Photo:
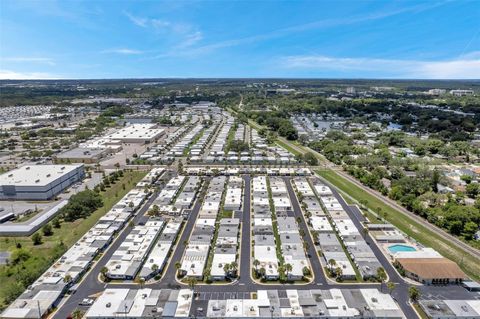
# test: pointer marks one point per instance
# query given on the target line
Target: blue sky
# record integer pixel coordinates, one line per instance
(312, 39)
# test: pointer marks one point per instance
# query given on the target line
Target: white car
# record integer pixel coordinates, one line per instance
(86, 302)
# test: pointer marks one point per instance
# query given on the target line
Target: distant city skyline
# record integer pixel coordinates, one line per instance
(214, 39)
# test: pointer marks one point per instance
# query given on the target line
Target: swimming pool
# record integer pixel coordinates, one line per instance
(400, 248)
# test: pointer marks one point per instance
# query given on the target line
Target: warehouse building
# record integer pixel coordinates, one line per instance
(137, 133)
(39, 182)
(82, 155)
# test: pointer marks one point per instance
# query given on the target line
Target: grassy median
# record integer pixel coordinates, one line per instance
(428, 238)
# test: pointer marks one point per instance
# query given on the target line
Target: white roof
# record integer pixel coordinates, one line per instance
(36, 175)
(137, 131)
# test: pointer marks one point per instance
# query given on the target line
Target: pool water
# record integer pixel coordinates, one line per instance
(400, 248)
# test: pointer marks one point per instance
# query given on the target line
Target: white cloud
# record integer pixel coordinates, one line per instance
(160, 24)
(13, 75)
(155, 24)
(184, 34)
(466, 67)
(48, 61)
(315, 25)
(124, 51)
(141, 22)
(191, 39)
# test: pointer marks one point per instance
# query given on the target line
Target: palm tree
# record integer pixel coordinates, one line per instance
(77, 314)
(154, 210)
(226, 269)
(382, 276)
(234, 267)
(256, 263)
(262, 272)
(413, 293)
(154, 268)
(332, 264)
(288, 268)
(67, 278)
(315, 237)
(390, 286)
(104, 272)
(339, 272)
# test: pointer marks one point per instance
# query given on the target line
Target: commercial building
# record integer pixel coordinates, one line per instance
(428, 271)
(39, 182)
(82, 155)
(46, 292)
(462, 92)
(137, 133)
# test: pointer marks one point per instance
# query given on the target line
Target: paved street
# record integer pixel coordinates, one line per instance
(319, 276)
(245, 285)
(90, 284)
(245, 245)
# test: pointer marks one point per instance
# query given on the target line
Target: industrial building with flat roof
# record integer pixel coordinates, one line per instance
(82, 155)
(137, 133)
(39, 182)
(46, 292)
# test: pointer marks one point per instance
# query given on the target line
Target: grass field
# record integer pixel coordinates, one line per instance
(469, 263)
(428, 238)
(43, 255)
(287, 147)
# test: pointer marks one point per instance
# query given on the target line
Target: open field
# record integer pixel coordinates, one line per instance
(288, 147)
(53, 246)
(468, 263)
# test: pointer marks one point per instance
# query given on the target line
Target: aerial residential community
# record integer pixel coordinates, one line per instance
(161, 207)
(243, 159)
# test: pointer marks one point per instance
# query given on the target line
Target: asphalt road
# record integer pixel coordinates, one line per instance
(319, 276)
(90, 284)
(169, 274)
(245, 285)
(245, 244)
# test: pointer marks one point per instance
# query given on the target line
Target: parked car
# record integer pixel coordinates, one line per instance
(86, 302)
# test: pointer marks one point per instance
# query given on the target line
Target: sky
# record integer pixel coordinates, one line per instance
(250, 39)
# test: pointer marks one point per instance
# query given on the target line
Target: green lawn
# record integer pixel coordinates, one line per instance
(287, 147)
(428, 238)
(42, 256)
(420, 311)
